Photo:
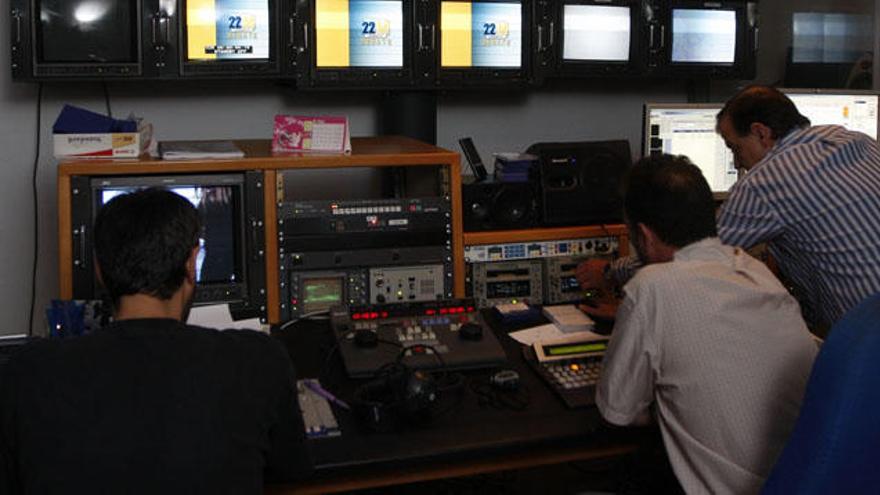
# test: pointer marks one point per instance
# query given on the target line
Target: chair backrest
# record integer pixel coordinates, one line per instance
(835, 443)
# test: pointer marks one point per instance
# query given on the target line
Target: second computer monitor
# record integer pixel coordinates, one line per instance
(689, 129)
(855, 110)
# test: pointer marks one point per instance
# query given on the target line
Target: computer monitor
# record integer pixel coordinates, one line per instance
(689, 129)
(855, 110)
(229, 266)
(229, 37)
(483, 42)
(712, 38)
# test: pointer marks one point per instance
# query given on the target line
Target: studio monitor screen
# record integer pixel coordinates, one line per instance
(77, 38)
(704, 36)
(481, 35)
(359, 33)
(852, 109)
(227, 30)
(596, 33)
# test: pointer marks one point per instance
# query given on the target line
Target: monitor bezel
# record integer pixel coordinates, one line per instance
(84, 70)
(743, 65)
(635, 63)
(646, 127)
(238, 293)
(249, 69)
(838, 92)
(466, 77)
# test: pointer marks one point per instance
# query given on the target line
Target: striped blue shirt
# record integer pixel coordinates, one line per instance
(815, 200)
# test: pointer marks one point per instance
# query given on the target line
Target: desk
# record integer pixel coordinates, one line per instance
(463, 438)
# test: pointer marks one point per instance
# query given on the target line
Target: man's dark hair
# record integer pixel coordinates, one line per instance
(669, 194)
(765, 105)
(142, 242)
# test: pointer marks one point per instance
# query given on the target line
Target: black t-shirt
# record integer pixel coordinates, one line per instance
(150, 406)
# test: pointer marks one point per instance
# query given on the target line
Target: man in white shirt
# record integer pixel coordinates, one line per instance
(706, 338)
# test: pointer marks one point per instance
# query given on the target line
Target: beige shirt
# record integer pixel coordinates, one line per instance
(719, 346)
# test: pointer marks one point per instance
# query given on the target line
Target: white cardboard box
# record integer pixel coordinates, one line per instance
(104, 145)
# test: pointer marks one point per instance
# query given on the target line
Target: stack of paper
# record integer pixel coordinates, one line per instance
(569, 318)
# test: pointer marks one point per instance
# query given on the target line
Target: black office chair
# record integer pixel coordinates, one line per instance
(835, 443)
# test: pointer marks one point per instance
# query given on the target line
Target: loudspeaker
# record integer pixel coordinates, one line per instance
(398, 394)
(498, 205)
(581, 181)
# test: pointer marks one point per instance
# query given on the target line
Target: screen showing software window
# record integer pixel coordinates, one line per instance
(703, 36)
(690, 131)
(596, 32)
(856, 112)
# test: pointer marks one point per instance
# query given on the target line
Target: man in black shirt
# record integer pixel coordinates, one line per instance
(150, 404)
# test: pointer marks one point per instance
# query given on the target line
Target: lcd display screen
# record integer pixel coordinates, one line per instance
(87, 31)
(359, 33)
(217, 206)
(596, 32)
(320, 294)
(227, 30)
(519, 288)
(856, 112)
(703, 36)
(689, 129)
(577, 348)
(480, 34)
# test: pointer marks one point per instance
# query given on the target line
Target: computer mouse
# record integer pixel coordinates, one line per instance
(365, 338)
(470, 331)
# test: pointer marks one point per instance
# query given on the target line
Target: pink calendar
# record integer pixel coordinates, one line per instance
(299, 133)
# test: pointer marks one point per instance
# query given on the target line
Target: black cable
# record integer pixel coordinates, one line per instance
(30, 328)
(107, 98)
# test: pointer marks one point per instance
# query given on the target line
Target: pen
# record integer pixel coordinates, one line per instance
(316, 387)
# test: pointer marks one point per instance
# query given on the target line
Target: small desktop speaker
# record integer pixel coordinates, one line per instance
(499, 205)
(581, 181)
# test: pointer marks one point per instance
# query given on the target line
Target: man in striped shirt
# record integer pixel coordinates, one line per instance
(811, 193)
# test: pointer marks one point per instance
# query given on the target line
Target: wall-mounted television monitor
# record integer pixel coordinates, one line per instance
(711, 38)
(74, 39)
(357, 43)
(483, 42)
(855, 110)
(689, 129)
(228, 37)
(229, 267)
(599, 37)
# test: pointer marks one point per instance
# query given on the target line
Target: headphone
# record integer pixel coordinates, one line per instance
(397, 394)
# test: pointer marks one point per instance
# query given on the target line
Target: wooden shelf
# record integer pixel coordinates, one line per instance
(388, 151)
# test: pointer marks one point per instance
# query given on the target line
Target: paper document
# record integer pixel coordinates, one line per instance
(550, 332)
(218, 316)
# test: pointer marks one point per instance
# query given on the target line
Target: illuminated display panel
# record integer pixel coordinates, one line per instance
(359, 33)
(320, 294)
(227, 30)
(596, 33)
(481, 34)
(518, 288)
(573, 349)
(854, 111)
(703, 36)
(689, 129)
